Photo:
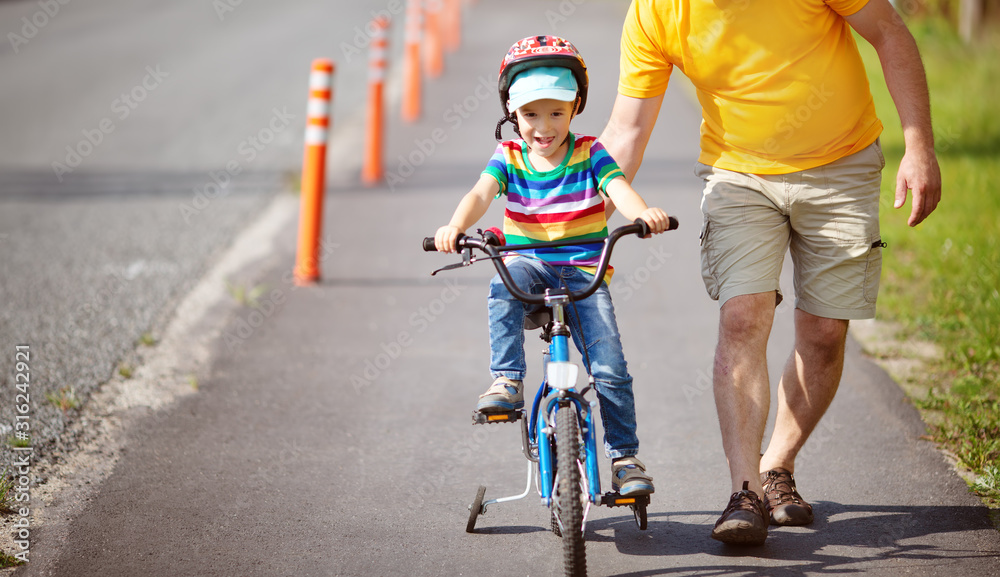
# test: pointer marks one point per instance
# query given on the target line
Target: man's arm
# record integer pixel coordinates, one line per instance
(878, 23)
(627, 134)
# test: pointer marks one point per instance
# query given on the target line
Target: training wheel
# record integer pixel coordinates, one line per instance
(475, 509)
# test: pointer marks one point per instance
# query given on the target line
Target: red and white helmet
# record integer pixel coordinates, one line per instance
(535, 51)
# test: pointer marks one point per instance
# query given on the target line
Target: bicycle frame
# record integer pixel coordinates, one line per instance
(559, 386)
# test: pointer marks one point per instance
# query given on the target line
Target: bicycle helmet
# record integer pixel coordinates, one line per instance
(536, 51)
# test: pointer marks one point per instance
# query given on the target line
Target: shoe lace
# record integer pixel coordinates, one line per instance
(745, 500)
(779, 487)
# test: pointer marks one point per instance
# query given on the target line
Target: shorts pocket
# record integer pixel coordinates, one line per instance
(873, 271)
(709, 262)
(877, 145)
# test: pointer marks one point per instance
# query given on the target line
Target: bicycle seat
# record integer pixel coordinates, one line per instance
(537, 318)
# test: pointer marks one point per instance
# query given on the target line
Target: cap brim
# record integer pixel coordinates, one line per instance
(541, 94)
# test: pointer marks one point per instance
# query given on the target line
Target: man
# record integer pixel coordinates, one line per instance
(791, 161)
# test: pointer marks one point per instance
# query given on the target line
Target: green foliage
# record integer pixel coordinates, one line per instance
(941, 279)
(64, 399)
(19, 443)
(7, 560)
(6, 492)
(244, 295)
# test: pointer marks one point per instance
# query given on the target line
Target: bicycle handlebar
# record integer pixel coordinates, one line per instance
(491, 246)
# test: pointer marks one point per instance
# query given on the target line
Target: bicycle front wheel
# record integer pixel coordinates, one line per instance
(569, 491)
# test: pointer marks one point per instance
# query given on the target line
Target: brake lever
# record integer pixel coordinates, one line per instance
(466, 261)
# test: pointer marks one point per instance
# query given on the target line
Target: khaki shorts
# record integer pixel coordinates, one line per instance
(827, 216)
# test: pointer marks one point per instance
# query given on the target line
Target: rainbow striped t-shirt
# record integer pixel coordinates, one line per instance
(560, 204)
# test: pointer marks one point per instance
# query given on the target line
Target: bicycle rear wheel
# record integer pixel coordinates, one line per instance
(569, 491)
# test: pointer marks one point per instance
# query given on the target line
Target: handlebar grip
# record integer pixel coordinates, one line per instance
(428, 243)
(644, 232)
(671, 225)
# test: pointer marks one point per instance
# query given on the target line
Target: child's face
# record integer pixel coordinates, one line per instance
(544, 126)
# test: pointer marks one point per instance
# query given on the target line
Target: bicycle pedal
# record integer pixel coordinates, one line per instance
(480, 418)
(618, 500)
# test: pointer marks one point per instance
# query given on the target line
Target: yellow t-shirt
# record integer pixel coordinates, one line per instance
(781, 84)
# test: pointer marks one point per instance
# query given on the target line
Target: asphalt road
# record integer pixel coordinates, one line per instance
(121, 120)
(334, 437)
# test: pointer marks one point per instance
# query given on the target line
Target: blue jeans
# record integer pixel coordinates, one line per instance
(596, 316)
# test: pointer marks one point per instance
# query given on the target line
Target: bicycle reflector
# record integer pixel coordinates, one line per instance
(561, 375)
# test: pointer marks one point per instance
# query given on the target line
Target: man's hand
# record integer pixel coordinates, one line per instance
(919, 172)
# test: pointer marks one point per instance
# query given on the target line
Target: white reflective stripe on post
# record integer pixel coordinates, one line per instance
(320, 80)
(414, 22)
(317, 107)
(316, 134)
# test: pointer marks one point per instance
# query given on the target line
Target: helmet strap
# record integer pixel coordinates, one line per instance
(511, 118)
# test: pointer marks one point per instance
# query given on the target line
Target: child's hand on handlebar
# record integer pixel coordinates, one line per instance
(656, 218)
(446, 237)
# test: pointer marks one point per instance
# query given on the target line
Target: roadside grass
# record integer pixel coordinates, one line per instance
(65, 399)
(7, 506)
(941, 280)
(9, 561)
(6, 492)
(245, 295)
(19, 443)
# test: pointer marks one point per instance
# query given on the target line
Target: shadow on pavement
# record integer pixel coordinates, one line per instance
(842, 539)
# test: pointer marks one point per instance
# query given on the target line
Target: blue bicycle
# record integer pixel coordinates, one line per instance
(558, 437)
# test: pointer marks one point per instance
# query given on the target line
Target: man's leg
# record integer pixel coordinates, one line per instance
(744, 238)
(742, 396)
(807, 386)
(742, 392)
(836, 252)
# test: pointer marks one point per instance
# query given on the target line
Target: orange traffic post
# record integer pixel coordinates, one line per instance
(411, 62)
(453, 25)
(434, 55)
(314, 172)
(371, 172)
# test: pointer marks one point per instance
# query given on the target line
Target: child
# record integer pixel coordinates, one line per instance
(553, 179)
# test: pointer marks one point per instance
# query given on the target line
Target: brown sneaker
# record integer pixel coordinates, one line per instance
(744, 522)
(784, 504)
